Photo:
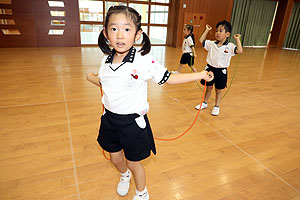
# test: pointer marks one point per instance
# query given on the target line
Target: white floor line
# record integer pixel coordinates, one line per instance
(45, 103)
(247, 154)
(274, 102)
(243, 151)
(70, 136)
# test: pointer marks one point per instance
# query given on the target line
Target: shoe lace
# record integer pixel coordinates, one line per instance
(140, 196)
(125, 178)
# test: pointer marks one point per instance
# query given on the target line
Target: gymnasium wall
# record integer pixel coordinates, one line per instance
(196, 12)
(30, 21)
(282, 18)
(213, 11)
(26, 23)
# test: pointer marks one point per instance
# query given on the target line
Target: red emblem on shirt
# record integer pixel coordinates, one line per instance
(135, 76)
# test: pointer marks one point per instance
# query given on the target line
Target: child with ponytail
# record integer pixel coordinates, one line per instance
(123, 74)
(188, 49)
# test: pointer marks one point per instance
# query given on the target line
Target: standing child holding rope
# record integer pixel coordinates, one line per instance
(123, 75)
(218, 59)
(188, 49)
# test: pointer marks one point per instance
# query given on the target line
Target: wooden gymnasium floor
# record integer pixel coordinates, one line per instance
(49, 118)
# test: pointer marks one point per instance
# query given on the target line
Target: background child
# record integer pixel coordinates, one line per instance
(188, 49)
(218, 60)
(123, 75)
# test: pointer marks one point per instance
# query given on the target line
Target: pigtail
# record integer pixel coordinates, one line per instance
(103, 43)
(193, 38)
(191, 28)
(146, 45)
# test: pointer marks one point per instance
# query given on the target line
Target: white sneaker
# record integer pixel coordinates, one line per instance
(144, 196)
(124, 184)
(215, 111)
(175, 72)
(204, 105)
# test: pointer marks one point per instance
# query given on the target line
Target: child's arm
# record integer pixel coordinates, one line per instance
(194, 52)
(203, 36)
(93, 78)
(238, 43)
(189, 77)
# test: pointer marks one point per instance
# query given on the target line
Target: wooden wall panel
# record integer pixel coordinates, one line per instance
(214, 10)
(25, 23)
(33, 19)
(284, 11)
(71, 36)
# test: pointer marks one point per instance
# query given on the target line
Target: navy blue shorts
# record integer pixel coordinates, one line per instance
(186, 58)
(132, 133)
(220, 77)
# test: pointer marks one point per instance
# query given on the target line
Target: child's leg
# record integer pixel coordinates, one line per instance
(138, 173)
(180, 67)
(194, 69)
(118, 160)
(208, 93)
(218, 97)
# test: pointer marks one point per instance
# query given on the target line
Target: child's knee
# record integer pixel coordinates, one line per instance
(117, 159)
(133, 165)
(210, 87)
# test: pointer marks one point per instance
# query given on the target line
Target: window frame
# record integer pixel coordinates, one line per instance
(148, 24)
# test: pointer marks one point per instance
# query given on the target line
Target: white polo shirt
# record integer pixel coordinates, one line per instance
(219, 57)
(124, 85)
(187, 44)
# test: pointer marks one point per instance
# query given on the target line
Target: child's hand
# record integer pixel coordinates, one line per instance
(208, 76)
(90, 75)
(208, 27)
(195, 55)
(237, 36)
(93, 78)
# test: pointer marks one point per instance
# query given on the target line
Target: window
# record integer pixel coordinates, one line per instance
(142, 9)
(10, 31)
(4, 11)
(89, 33)
(56, 4)
(91, 11)
(108, 4)
(56, 22)
(92, 17)
(55, 32)
(7, 22)
(160, 1)
(58, 13)
(158, 35)
(159, 14)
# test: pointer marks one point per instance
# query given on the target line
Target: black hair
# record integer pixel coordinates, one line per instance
(226, 24)
(190, 28)
(103, 43)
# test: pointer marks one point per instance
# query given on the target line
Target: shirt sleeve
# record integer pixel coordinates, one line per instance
(190, 41)
(233, 49)
(101, 67)
(156, 71)
(207, 44)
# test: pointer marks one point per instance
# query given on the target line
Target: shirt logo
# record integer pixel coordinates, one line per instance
(226, 50)
(135, 76)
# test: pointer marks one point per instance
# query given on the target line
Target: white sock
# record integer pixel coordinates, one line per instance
(142, 193)
(126, 174)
